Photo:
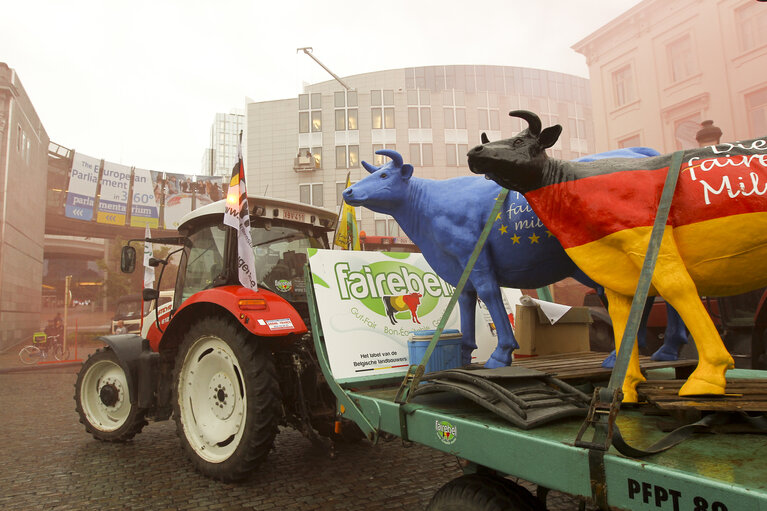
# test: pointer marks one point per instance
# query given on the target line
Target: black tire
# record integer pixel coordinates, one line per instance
(103, 401)
(483, 492)
(226, 399)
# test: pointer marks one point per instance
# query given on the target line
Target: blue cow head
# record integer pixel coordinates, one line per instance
(524, 153)
(386, 188)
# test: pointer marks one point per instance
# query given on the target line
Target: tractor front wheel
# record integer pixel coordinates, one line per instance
(226, 399)
(103, 401)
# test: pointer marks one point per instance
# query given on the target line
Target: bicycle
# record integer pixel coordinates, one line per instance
(42, 348)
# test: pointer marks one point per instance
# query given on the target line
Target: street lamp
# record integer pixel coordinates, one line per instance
(708, 134)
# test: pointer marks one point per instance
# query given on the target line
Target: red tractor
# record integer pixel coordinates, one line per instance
(229, 363)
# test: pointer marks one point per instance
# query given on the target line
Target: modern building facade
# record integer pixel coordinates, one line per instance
(23, 172)
(302, 148)
(221, 156)
(664, 66)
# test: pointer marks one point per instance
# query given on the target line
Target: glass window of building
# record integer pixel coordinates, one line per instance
(751, 20)
(351, 98)
(756, 104)
(316, 101)
(623, 86)
(303, 122)
(379, 159)
(415, 154)
(376, 118)
(451, 155)
(303, 101)
(310, 193)
(340, 99)
(632, 141)
(341, 157)
(317, 120)
(352, 119)
(375, 97)
(449, 118)
(681, 59)
(389, 118)
(354, 156)
(388, 97)
(341, 119)
(317, 155)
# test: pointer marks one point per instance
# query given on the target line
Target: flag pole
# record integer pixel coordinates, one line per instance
(340, 209)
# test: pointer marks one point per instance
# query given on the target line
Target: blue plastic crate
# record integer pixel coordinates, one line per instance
(446, 355)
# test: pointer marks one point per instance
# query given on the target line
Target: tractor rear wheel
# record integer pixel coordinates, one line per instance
(226, 399)
(103, 401)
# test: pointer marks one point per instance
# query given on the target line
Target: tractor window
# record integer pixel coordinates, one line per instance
(281, 255)
(205, 259)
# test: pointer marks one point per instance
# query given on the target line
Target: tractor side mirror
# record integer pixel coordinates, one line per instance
(149, 294)
(127, 259)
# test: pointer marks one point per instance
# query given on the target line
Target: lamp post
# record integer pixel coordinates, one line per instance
(708, 134)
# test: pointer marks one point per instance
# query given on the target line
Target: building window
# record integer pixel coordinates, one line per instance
(756, 105)
(454, 110)
(310, 193)
(421, 155)
(681, 59)
(632, 141)
(487, 112)
(751, 20)
(346, 110)
(623, 86)
(455, 154)
(382, 111)
(379, 159)
(309, 115)
(314, 153)
(347, 156)
(419, 108)
(386, 226)
(685, 130)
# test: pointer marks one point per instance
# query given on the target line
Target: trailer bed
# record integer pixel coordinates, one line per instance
(707, 471)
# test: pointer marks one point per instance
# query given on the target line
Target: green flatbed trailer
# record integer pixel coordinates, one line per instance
(705, 472)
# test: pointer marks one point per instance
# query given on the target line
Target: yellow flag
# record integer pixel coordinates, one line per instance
(347, 235)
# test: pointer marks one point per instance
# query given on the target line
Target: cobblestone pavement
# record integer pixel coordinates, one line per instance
(47, 461)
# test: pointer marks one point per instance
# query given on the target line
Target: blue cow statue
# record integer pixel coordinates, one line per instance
(444, 219)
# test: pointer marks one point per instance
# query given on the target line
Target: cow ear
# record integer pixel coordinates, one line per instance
(407, 171)
(549, 136)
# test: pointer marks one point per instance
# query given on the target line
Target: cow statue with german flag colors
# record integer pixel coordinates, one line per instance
(602, 212)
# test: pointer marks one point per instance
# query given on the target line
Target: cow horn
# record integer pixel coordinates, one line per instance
(370, 168)
(533, 120)
(484, 138)
(394, 155)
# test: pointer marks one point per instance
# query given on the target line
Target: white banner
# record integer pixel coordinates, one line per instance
(82, 187)
(144, 207)
(113, 199)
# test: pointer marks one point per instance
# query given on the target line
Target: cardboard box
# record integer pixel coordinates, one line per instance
(537, 336)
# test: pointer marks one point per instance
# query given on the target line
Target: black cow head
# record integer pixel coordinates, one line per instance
(515, 163)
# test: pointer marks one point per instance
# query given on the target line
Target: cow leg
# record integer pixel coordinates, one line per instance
(676, 286)
(673, 338)
(490, 293)
(467, 303)
(620, 306)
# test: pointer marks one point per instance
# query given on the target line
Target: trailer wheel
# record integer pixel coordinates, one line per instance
(483, 492)
(103, 401)
(226, 399)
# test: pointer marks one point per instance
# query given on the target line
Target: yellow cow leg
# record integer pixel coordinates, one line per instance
(673, 282)
(619, 306)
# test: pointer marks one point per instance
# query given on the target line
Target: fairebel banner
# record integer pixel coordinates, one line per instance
(370, 302)
(113, 199)
(82, 187)
(144, 206)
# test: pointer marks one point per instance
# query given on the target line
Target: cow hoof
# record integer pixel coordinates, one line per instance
(699, 387)
(609, 362)
(494, 364)
(665, 353)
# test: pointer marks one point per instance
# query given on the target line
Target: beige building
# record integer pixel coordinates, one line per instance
(661, 68)
(23, 171)
(302, 148)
